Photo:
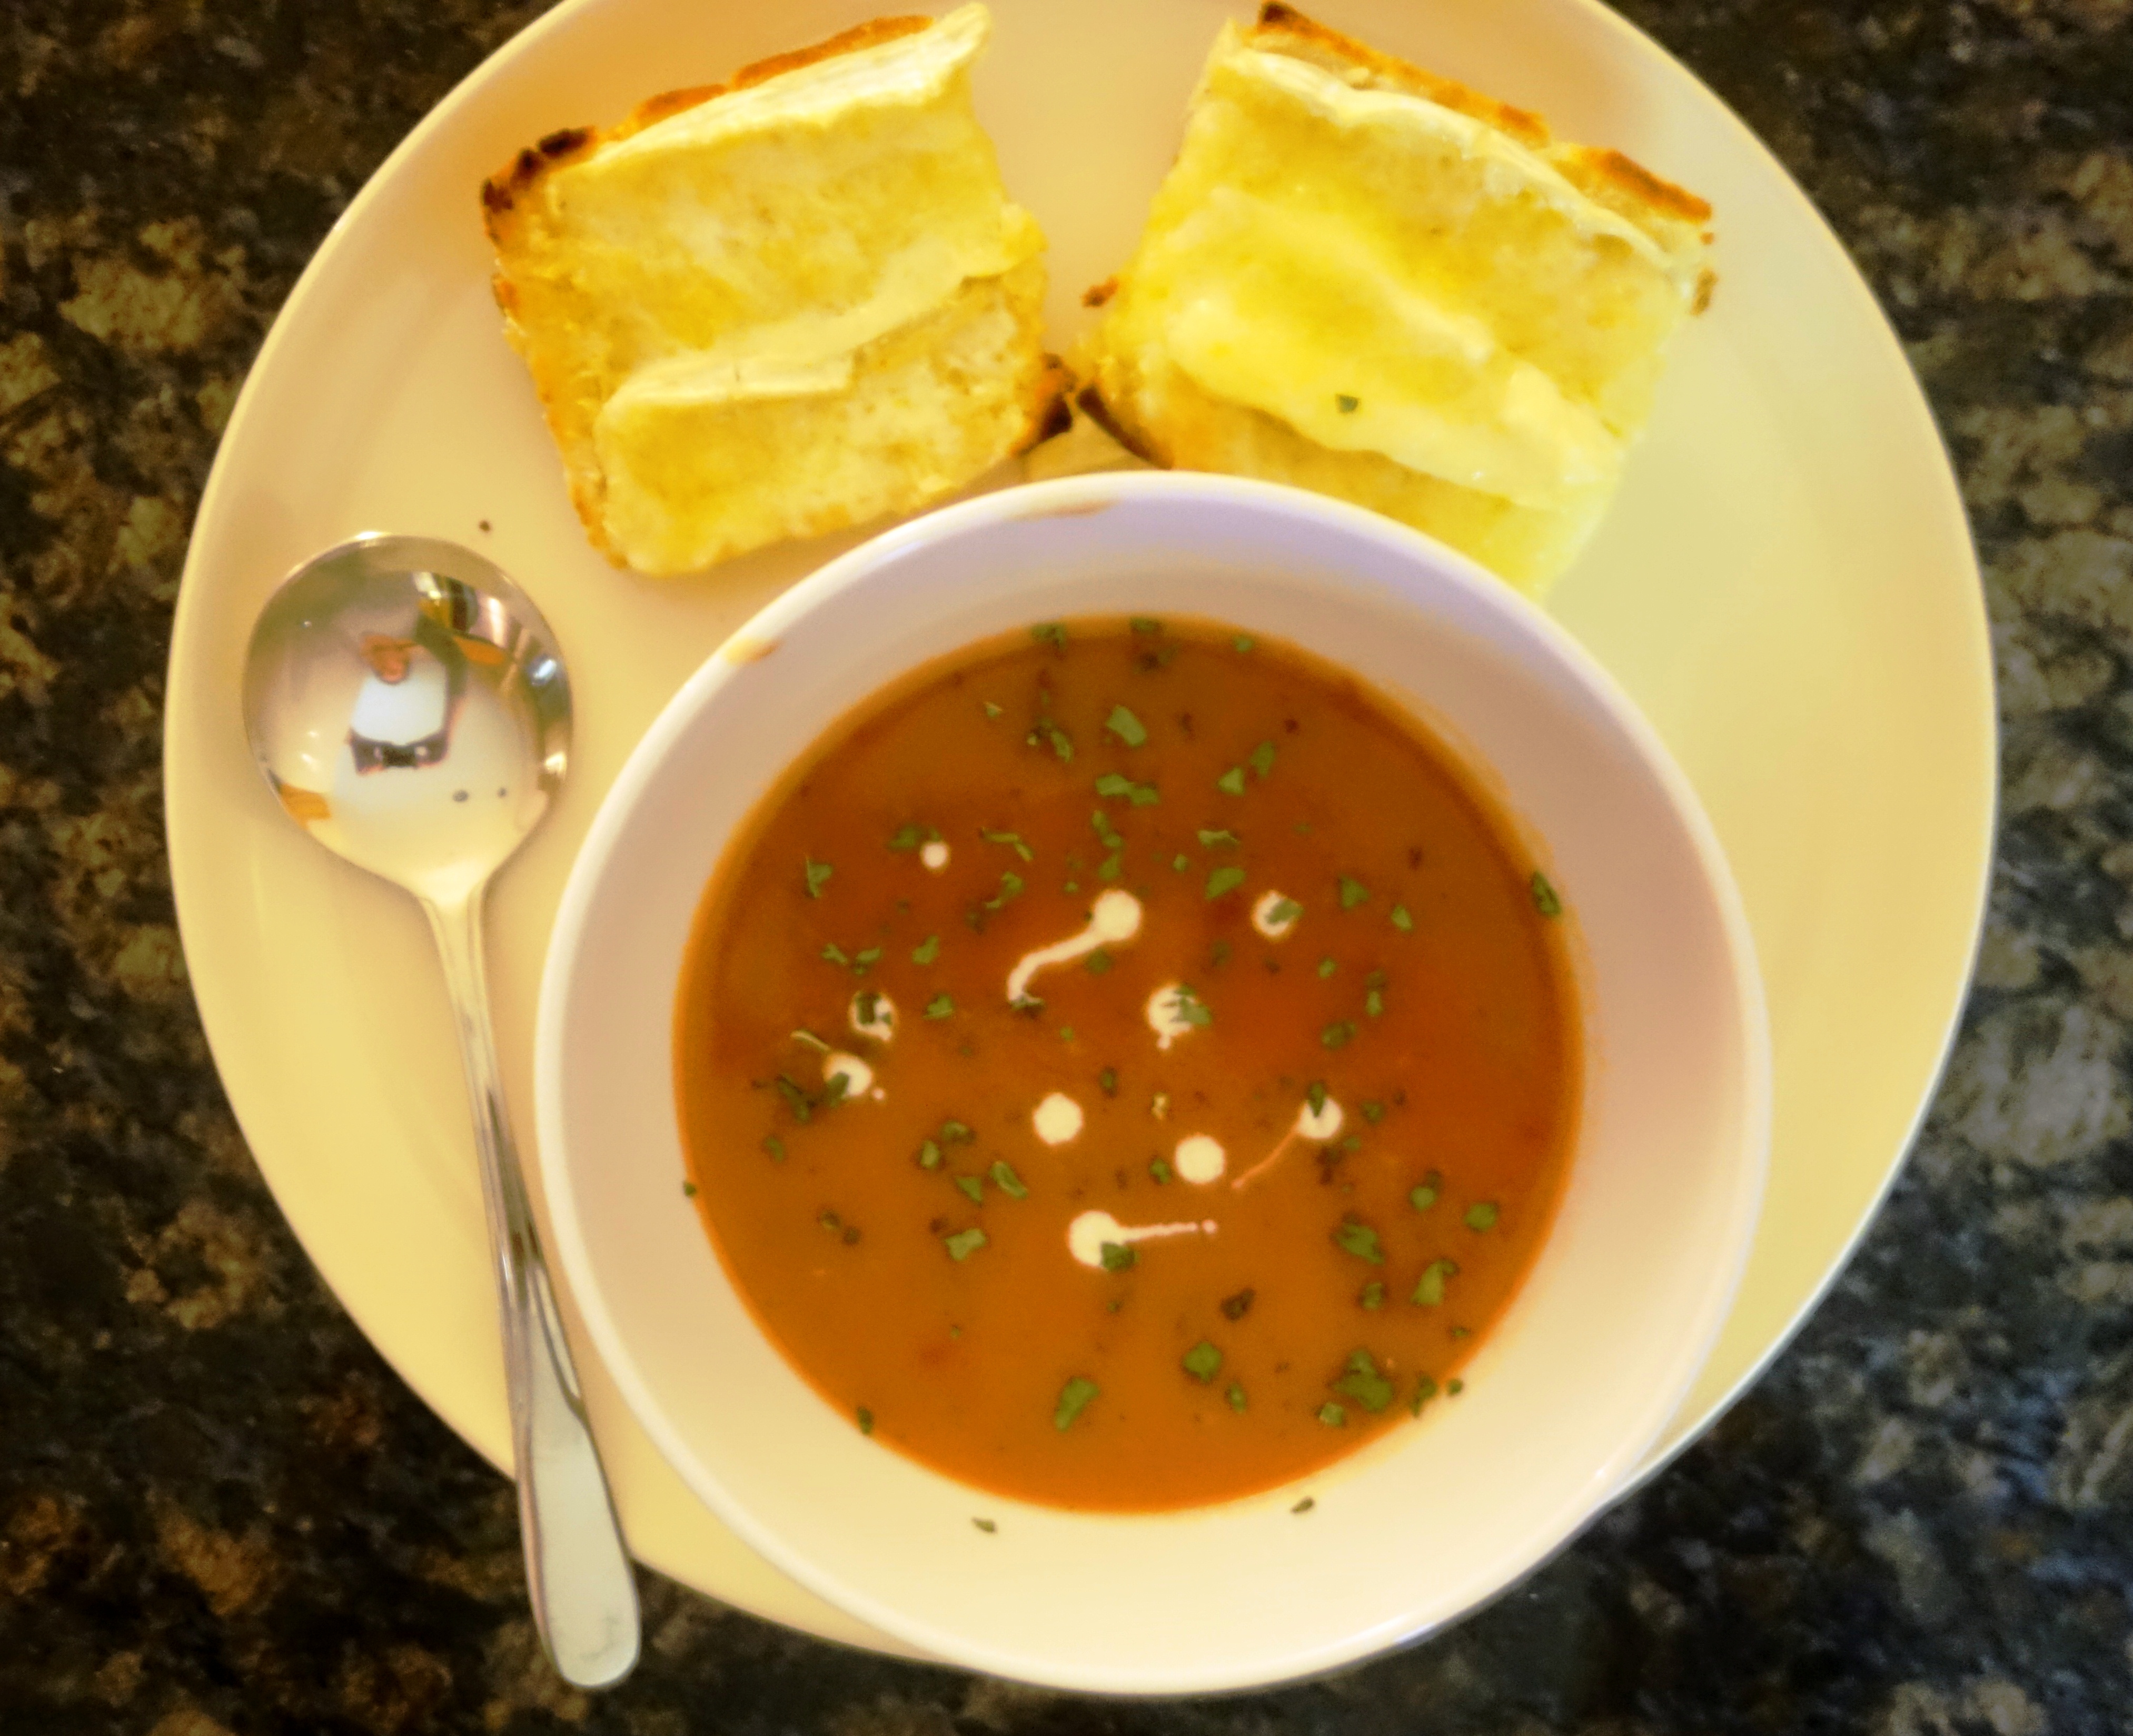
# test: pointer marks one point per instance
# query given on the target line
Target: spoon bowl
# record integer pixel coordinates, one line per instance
(409, 709)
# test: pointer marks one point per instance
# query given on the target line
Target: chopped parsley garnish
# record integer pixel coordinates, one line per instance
(1107, 1081)
(1326, 967)
(1357, 1238)
(973, 1188)
(987, 1526)
(941, 1007)
(1101, 822)
(818, 875)
(1261, 758)
(1235, 1396)
(1111, 866)
(1243, 641)
(954, 1132)
(1012, 839)
(929, 1155)
(1333, 1416)
(1314, 1093)
(1373, 1294)
(1044, 730)
(1141, 796)
(1481, 1215)
(1050, 632)
(1337, 1035)
(688, 1190)
(1421, 1198)
(1213, 840)
(1224, 879)
(1144, 624)
(1074, 1398)
(1010, 887)
(909, 837)
(1203, 1362)
(833, 954)
(1097, 962)
(1218, 955)
(991, 710)
(1429, 1292)
(1159, 1170)
(1283, 911)
(1353, 1143)
(1402, 920)
(1180, 863)
(1191, 1008)
(1374, 1003)
(1119, 1256)
(1373, 1112)
(964, 1242)
(801, 1105)
(1236, 1307)
(1006, 1181)
(1544, 898)
(836, 1089)
(1346, 403)
(1425, 1389)
(1353, 892)
(1454, 1386)
(1126, 727)
(1308, 1502)
(866, 1421)
(1362, 1383)
(1231, 782)
(865, 1004)
(864, 960)
(774, 1147)
(926, 950)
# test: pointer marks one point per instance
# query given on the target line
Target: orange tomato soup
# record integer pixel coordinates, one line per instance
(1127, 1065)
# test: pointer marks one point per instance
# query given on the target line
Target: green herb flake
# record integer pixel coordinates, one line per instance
(1454, 1386)
(1126, 727)
(954, 1132)
(1144, 795)
(1373, 1294)
(1429, 1291)
(1374, 1003)
(1346, 403)
(1010, 888)
(1544, 898)
(1353, 1143)
(1222, 840)
(1236, 1307)
(926, 950)
(1226, 879)
(991, 710)
(774, 1148)
(688, 1190)
(1281, 912)
(865, 1004)
(1357, 1238)
(1337, 1035)
(866, 1421)
(1362, 1383)
(1101, 822)
(1119, 1256)
(1243, 643)
(973, 1188)
(1481, 1215)
(1326, 967)
(987, 1526)
(906, 838)
(1097, 962)
(833, 954)
(941, 1007)
(1111, 866)
(1050, 632)
(1402, 920)
(1066, 1033)
(865, 960)
(1333, 1416)
(1192, 1008)
(1218, 955)
(1235, 1397)
(1314, 1093)
(1074, 1398)
(1062, 744)
(1424, 1196)
(801, 1105)
(1203, 1362)
(1144, 624)
(929, 1155)
(1113, 784)
(1231, 782)
(964, 1242)
(1425, 1389)
(1159, 1169)
(1261, 759)
(1308, 1502)
(1007, 1181)
(818, 875)
(1180, 863)
(1012, 841)
(1107, 1081)
(1353, 892)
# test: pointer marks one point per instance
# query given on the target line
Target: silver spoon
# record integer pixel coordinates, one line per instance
(409, 708)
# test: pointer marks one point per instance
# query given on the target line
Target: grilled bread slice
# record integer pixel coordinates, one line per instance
(781, 306)
(1365, 280)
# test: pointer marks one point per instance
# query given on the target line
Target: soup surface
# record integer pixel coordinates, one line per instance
(1127, 1065)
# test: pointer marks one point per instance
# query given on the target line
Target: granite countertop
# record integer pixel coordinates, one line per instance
(221, 1514)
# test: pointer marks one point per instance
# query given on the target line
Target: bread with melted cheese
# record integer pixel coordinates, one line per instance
(1365, 280)
(779, 306)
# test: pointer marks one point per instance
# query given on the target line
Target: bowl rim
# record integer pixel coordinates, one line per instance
(1068, 496)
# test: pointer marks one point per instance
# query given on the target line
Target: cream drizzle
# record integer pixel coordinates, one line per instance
(1114, 919)
(1318, 1126)
(1166, 1014)
(1087, 1235)
(1200, 1159)
(1058, 1119)
(859, 1076)
(882, 1025)
(1262, 915)
(934, 853)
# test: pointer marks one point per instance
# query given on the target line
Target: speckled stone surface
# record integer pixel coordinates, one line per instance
(220, 1514)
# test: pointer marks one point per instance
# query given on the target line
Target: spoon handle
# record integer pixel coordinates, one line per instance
(584, 1594)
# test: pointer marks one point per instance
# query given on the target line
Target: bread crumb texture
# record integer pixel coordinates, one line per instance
(1365, 280)
(780, 306)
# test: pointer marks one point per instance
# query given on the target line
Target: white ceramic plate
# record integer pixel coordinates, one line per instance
(1786, 587)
